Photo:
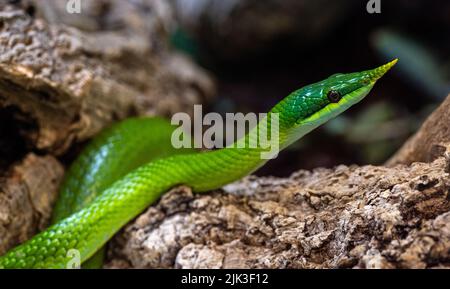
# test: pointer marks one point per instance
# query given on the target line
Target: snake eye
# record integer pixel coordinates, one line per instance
(334, 96)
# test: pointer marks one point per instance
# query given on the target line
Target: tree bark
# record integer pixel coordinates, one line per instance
(346, 217)
(430, 141)
(72, 83)
(65, 77)
(27, 192)
(395, 216)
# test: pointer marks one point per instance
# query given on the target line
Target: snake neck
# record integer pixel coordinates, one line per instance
(268, 135)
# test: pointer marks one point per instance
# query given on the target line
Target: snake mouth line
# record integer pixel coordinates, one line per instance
(83, 223)
(334, 109)
(367, 79)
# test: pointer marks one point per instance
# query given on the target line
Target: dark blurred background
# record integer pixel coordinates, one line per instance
(261, 50)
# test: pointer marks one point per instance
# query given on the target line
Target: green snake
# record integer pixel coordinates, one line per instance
(129, 166)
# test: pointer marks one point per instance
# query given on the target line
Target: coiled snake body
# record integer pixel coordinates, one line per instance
(128, 167)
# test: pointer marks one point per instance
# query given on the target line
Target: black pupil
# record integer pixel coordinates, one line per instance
(334, 96)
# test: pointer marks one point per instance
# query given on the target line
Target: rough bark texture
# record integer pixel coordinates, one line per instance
(345, 217)
(363, 217)
(430, 141)
(65, 77)
(72, 83)
(27, 192)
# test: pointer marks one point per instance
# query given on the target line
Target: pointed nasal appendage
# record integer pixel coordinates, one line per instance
(378, 72)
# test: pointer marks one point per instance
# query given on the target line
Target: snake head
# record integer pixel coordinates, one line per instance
(341, 86)
(315, 104)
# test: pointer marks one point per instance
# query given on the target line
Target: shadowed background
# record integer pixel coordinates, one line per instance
(259, 51)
